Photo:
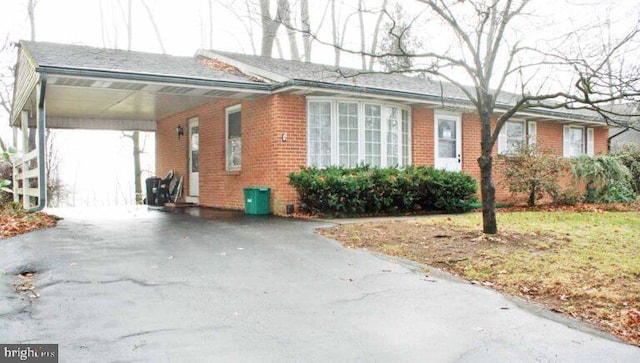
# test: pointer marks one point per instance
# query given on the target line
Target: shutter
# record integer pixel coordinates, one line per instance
(566, 142)
(533, 132)
(502, 140)
(590, 146)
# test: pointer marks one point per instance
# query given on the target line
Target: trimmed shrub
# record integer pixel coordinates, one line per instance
(371, 190)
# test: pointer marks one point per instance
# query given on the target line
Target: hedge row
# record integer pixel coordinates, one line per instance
(370, 190)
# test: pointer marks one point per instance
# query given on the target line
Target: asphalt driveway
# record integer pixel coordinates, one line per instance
(155, 286)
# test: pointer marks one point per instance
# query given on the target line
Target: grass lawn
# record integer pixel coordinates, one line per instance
(586, 265)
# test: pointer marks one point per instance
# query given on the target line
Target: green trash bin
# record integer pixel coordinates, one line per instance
(256, 200)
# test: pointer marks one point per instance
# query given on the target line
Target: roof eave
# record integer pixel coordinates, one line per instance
(156, 78)
(431, 99)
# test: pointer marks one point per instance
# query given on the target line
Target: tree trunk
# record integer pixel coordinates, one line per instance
(336, 36)
(284, 17)
(306, 29)
(532, 196)
(3, 147)
(31, 10)
(487, 188)
(269, 28)
(363, 44)
(374, 43)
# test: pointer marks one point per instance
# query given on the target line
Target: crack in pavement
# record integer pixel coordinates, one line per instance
(363, 296)
(134, 281)
(146, 332)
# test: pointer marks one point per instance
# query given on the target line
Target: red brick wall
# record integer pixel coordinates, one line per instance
(549, 139)
(422, 141)
(171, 153)
(290, 118)
(267, 159)
(600, 140)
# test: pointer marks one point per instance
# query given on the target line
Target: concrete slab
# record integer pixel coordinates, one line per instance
(139, 285)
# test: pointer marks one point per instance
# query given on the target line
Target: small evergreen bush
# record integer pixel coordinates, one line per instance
(371, 190)
(607, 179)
(629, 156)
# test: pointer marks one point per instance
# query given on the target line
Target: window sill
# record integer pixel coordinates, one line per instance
(232, 172)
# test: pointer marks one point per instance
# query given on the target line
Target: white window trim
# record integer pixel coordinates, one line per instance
(529, 135)
(532, 132)
(588, 134)
(230, 110)
(590, 141)
(361, 128)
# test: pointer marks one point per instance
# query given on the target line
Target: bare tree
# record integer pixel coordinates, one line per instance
(271, 24)
(5, 90)
(56, 191)
(153, 23)
(398, 38)
(306, 29)
(31, 11)
(376, 30)
(137, 145)
(269, 28)
(137, 170)
(486, 49)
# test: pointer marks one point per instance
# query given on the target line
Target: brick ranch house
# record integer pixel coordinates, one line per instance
(227, 121)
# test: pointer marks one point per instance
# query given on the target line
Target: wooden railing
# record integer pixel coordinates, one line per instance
(25, 175)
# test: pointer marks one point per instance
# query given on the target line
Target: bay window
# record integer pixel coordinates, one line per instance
(347, 133)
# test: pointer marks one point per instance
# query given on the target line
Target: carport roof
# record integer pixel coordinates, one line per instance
(88, 87)
(67, 56)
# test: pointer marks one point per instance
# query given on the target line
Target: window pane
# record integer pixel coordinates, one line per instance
(347, 134)
(320, 133)
(577, 141)
(515, 135)
(391, 115)
(234, 124)
(446, 139)
(235, 152)
(195, 147)
(234, 141)
(372, 121)
(405, 138)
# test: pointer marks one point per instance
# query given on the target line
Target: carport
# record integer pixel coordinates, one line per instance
(63, 86)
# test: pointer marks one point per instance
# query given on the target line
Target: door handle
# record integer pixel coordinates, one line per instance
(459, 159)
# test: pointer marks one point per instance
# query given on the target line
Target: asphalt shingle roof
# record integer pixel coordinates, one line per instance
(296, 70)
(123, 61)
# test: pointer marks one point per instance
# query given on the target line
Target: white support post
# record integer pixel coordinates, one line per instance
(24, 122)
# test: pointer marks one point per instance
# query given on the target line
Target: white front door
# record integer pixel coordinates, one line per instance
(194, 147)
(448, 142)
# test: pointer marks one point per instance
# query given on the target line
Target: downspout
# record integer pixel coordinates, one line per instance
(612, 136)
(42, 182)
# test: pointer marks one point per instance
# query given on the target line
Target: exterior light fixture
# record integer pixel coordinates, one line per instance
(179, 131)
